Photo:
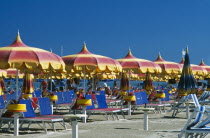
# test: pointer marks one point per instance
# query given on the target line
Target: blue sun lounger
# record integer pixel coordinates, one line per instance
(30, 117)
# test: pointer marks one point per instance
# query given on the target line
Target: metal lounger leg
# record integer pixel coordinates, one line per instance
(44, 127)
(53, 126)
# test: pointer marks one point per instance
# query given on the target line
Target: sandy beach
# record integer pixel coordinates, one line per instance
(160, 126)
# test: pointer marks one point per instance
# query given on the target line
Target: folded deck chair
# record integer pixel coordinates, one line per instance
(203, 99)
(29, 117)
(196, 128)
(180, 107)
(113, 111)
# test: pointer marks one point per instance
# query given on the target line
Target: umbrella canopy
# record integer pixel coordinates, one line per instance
(169, 69)
(11, 73)
(137, 65)
(90, 62)
(202, 64)
(198, 71)
(28, 86)
(29, 59)
(3, 73)
(187, 82)
(86, 62)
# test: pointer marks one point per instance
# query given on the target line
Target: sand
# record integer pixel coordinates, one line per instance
(160, 126)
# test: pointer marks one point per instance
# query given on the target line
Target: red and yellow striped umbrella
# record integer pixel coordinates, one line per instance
(137, 65)
(29, 59)
(170, 69)
(91, 62)
(3, 74)
(2, 86)
(86, 62)
(199, 72)
(11, 73)
(28, 86)
(202, 64)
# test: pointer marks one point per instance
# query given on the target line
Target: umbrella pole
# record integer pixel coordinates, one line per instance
(84, 81)
(129, 81)
(51, 79)
(16, 85)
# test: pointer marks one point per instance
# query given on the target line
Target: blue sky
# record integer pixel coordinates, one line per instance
(110, 27)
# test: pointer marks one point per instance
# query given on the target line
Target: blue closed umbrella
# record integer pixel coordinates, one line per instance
(187, 82)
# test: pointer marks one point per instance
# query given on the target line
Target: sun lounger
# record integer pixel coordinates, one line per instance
(103, 109)
(142, 101)
(203, 99)
(197, 128)
(180, 105)
(65, 99)
(29, 117)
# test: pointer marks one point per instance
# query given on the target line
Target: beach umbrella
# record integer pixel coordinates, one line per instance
(124, 82)
(28, 86)
(170, 70)
(137, 65)
(199, 72)
(85, 62)
(29, 59)
(2, 86)
(11, 73)
(3, 74)
(207, 77)
(148, 85)
(202, 64)
(187, 82)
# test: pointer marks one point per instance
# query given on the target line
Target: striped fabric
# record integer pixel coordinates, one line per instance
(137, 65)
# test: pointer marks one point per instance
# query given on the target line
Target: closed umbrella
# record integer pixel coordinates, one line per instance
(199, 72)
(187, 82)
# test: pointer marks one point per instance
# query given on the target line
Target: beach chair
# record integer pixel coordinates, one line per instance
(197, 128)
(142, 101)
(203, 99)
(37, 93)
(65, 99)
(30, 117)
(180, 106)
(103, 109)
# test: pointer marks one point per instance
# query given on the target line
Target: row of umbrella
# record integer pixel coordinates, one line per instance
(31, 60)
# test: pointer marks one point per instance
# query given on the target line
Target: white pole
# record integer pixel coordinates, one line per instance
(187, 111)
(17, 85)
(84, 112)
(129, 108)
(51, 104)
(145, 120)
(16, 124)
(74, 124)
